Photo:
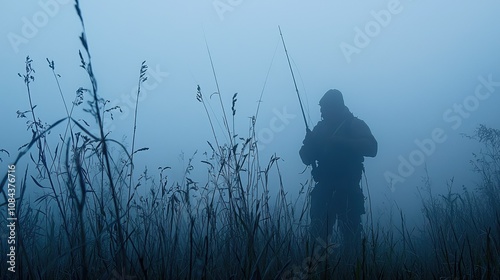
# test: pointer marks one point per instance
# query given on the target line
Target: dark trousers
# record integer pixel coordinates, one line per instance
(337, 201)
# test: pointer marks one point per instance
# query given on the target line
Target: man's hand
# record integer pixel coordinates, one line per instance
(308, 150)
(309, 139)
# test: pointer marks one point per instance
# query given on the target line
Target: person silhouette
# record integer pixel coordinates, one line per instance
(336, 148)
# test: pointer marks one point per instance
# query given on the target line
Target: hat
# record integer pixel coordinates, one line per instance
(332, 98)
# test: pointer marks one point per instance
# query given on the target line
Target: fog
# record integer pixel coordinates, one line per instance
(419, 73)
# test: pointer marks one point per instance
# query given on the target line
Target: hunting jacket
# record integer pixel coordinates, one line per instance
(339, 148)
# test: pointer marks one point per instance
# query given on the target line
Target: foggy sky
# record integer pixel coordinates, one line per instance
(414, 71)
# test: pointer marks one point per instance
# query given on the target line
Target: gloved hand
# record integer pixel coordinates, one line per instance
(308, 150)
(306, 156)
(316, 174)
(309, 139)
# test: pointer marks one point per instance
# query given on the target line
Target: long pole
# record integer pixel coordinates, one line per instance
(313, 165)
(294, 82)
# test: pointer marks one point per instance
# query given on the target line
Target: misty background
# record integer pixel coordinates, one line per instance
(406, 75)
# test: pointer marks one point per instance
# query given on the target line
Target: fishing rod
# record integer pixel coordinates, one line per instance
(294, 82)
(313, 165)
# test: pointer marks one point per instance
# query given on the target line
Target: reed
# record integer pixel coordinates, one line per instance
(89, 217)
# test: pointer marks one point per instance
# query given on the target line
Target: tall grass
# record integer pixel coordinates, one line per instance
(89, 217)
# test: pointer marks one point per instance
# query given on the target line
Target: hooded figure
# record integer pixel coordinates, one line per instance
(336, 148)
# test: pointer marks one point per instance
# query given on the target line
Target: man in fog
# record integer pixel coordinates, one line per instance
(336, 148)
